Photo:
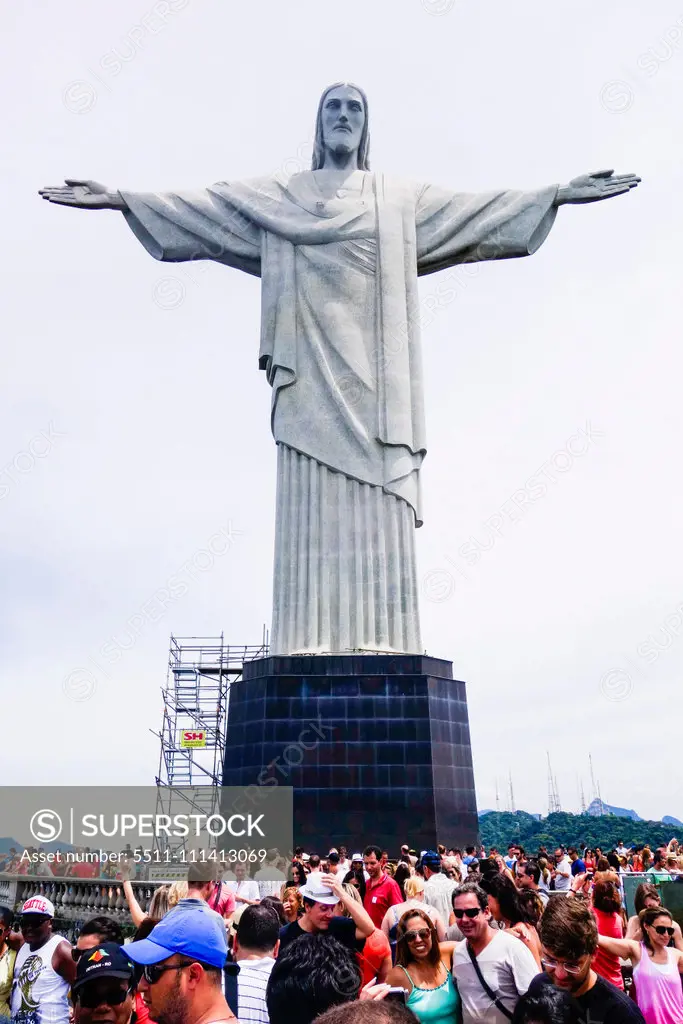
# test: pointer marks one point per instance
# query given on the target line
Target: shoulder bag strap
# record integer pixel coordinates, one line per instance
(486, 987)
(217, 895)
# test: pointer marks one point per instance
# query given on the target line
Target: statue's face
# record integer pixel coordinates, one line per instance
(343, 118)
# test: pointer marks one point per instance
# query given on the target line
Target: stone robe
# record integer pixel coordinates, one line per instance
(340, 346)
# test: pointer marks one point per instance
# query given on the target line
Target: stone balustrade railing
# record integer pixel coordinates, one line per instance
(76, 899)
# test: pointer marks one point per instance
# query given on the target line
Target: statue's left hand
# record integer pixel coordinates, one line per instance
(591, 188)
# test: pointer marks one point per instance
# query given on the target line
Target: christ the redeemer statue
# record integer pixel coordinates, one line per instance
(339, 250)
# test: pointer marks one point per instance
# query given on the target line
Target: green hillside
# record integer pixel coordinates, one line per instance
(502, 828)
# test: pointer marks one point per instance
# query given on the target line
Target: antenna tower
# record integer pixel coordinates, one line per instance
(582, 796)
(595, 786)
(553, 795)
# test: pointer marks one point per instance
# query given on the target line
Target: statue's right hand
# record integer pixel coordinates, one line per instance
(87, 195)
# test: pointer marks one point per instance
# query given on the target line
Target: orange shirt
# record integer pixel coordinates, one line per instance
(375, 951)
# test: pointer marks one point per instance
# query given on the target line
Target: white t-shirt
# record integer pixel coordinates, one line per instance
(439, 894)
(508, 968)
(269, 880)
(247, 888)
(563, 883)
(252, 982)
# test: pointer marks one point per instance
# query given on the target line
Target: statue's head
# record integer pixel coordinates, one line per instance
(341, 125)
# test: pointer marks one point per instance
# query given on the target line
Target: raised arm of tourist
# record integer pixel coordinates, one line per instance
(137, 914)
(627, 949)
(357, 912)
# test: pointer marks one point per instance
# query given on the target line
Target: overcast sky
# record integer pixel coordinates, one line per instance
(143, 376)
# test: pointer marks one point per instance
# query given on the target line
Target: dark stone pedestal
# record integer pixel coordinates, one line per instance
(377, 747)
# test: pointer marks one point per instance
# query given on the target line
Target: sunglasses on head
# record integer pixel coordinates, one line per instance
(113, 995)
(417, 933)
(471, 912)
(662, 929)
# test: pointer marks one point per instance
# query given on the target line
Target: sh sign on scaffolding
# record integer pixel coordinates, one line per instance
(192, 738)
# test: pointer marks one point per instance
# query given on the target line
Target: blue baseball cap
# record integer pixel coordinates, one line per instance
(431, 859)
(197, 933)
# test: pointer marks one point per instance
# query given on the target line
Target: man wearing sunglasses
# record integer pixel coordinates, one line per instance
(104, 990)
(492, 968)
(44, 969)
(183, 959)
(569, 939)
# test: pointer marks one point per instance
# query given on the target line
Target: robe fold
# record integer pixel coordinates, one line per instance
(341, 349)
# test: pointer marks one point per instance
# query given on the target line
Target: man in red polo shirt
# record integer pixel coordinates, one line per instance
(381, 891)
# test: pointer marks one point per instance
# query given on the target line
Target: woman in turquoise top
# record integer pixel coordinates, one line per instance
(423, 969)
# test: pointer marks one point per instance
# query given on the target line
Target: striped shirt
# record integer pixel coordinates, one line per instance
(251, 990)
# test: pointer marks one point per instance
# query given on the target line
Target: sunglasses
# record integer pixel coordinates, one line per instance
(152, 972)
(471, 912)
(419, 933)
(112, 996)
(552, 965)
(76, 954)
(662, 929)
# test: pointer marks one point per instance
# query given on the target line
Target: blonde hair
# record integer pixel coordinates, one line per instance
(177, 892)
(351, 891)
(159, 905)
(412, 886)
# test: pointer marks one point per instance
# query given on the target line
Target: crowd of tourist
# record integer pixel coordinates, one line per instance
(79, 862)
(440, 937)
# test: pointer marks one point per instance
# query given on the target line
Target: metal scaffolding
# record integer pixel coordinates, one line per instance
(192, 736)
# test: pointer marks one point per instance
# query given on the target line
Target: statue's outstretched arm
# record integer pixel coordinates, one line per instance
(86, 195)
(176, 227)
(591, 188)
